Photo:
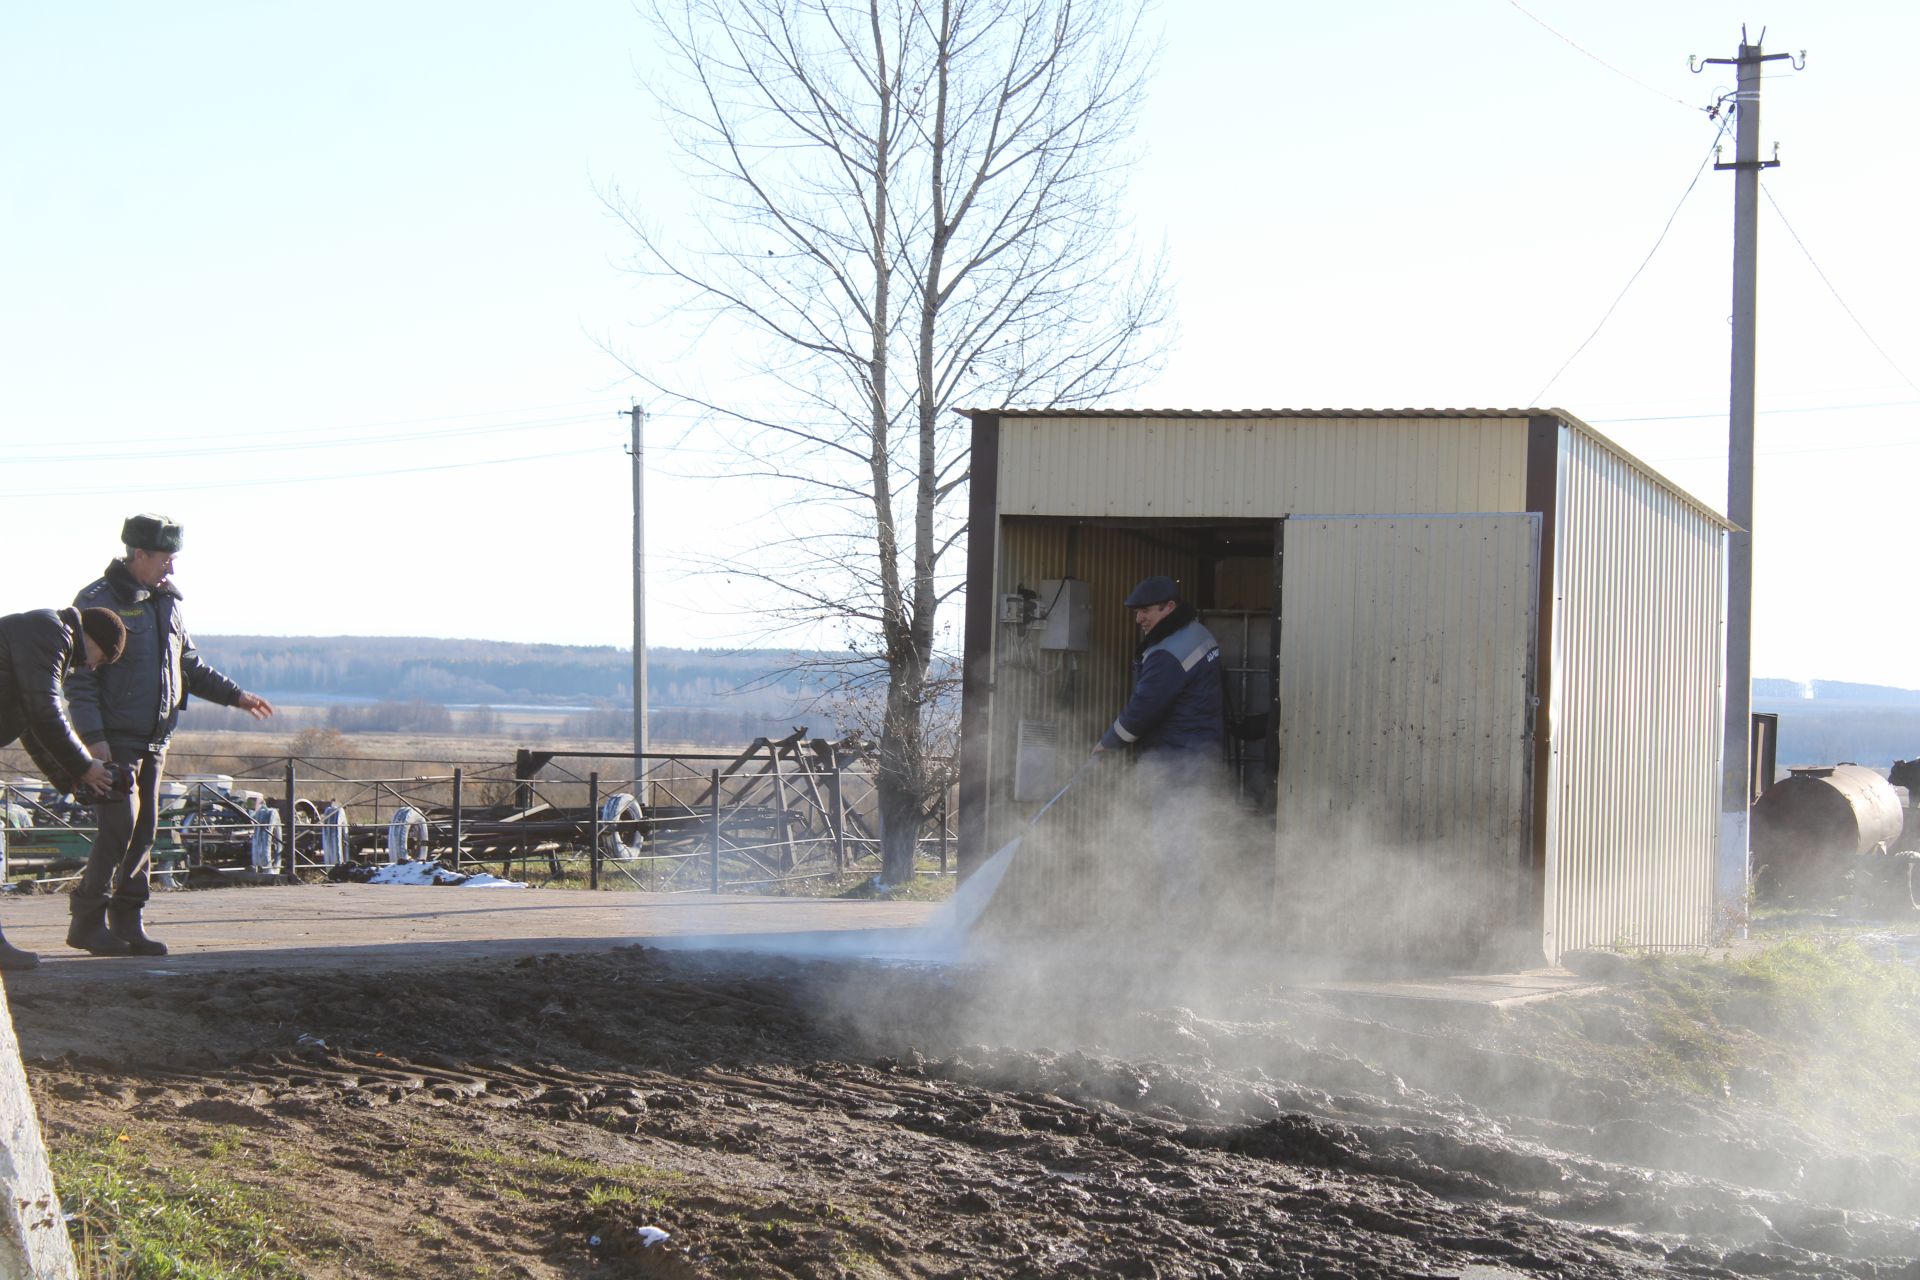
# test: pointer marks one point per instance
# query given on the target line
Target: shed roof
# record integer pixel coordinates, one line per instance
(1076, 412)
(1613, 446)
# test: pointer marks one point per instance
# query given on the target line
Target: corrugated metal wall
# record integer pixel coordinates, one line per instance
(1631, 790)
(1260, 467)
(1066, 871)
(1635, 706)
(1405, 773)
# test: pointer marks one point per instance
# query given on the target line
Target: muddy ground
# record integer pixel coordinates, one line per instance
(785, 1117)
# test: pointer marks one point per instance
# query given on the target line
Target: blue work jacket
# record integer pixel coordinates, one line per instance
(1177, 691)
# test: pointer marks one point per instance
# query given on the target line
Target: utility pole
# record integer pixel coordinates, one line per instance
(1736, 745)
(639, 596)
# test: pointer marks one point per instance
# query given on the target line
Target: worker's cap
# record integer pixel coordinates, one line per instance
(1155, 590)
(149, 532)
(104, 628)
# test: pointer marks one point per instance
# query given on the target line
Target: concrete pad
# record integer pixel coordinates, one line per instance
(395, 926)
(327, 926)
(1487, 990)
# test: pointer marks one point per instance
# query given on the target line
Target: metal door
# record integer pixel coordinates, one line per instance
(1405, 666)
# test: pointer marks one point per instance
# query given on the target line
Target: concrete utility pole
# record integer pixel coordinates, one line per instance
(33, 1230)
(1736, 764)
(639, 595)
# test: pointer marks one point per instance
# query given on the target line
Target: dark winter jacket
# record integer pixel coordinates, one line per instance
(39, 652)
(1177, 690)
(134, 704)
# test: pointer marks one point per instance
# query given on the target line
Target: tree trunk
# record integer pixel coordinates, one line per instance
(901, 780)
(934, 192)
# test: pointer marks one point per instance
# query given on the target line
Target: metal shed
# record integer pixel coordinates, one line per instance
(1477, 654)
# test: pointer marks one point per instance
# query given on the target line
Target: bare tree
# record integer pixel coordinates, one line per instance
(911, 205)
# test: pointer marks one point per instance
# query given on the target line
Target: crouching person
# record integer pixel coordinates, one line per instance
(126, 715)
(38, 652)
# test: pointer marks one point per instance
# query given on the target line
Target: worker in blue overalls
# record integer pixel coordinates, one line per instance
(1175, 724)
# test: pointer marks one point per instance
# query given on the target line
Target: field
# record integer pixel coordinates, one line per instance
(1061, 1114)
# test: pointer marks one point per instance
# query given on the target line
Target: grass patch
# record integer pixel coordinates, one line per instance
(225, 1143)
(927, 885)
(1815, 1026)
(133, 1220)
(625, 1185)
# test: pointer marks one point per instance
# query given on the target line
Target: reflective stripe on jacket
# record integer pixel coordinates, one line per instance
(1176, 703)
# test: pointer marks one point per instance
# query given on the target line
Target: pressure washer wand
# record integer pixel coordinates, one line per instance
(1077, 775)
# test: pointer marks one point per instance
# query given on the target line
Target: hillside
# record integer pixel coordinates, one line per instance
(425, 685)
(308, 670)
(721, 695)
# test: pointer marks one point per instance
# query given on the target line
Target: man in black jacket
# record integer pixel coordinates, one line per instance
(127, 714)
(38, 652)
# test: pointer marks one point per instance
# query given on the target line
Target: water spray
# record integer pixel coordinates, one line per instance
(970, 902)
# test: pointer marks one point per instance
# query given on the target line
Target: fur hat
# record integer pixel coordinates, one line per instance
(149, 532)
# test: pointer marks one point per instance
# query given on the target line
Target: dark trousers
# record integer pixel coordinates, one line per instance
(1187, 802)
(123, 846)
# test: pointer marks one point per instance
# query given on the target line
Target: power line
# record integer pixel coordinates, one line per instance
(1540, 395)
(356, 426)
(93, 455)
(1789, 453)
(1576, 46)
(148, 486)
(94, 458)
(1834, 291)
(1721, 415)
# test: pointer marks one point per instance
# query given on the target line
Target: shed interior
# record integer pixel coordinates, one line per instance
(1058, 683)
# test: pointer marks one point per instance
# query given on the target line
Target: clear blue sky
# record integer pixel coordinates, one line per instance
(333, 284)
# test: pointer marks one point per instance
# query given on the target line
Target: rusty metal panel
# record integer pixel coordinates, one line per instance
(1405, 774)
(1635, 705)
(1189, 467)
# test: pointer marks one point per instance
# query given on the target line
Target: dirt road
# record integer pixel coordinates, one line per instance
(1054, 1116)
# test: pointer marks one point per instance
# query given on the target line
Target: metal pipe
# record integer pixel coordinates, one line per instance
(838, 817)
(459, 820)
(593, 810)
(713, 803)
(293, 826)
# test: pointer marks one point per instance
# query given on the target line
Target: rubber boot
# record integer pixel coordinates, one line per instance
(88, 930)
(13, 958)
(123, 918)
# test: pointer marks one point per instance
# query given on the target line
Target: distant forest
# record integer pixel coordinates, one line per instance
(412, 685)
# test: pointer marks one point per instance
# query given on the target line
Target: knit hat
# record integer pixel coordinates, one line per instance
(104, 628)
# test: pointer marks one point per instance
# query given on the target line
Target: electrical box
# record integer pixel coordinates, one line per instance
(1065, 614)
(1036, 761)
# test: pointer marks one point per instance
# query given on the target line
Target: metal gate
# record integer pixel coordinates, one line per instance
(1405, 673)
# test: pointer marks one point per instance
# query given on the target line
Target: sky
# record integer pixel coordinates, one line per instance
(337, 287)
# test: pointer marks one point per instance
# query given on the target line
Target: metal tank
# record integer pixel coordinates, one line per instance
(1808, 828)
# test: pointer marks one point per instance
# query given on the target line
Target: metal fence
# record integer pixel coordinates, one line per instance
(779, 813)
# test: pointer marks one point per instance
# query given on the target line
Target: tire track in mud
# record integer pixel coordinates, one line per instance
(1298, 1139)
(1066, 1157)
